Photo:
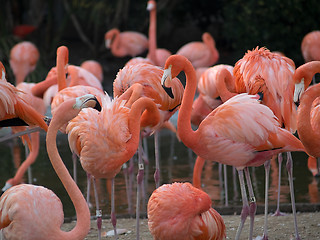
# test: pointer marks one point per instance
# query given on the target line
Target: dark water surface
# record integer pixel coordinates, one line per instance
(176, 165)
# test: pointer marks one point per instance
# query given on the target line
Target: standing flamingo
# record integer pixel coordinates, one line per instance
(105, 141)
(23, 60)
(157, 55)
(201, 54)
(180, 211)
(34, 212)
(125, 43)
(241, 132)
(310, 46)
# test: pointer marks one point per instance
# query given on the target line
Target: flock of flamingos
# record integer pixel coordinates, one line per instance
(245, 114)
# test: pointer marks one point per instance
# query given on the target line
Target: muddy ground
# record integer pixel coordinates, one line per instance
(279, 227)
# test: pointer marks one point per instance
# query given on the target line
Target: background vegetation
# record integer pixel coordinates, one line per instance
(236, 25)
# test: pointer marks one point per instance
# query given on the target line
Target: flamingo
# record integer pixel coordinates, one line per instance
(35, 212)
(94, 67)
(14, 108)
(241, 132)
(38, 104)
(23, 60)
(180, 211)
(157, 55)
(125, 43)
(105, 141)
(310, 46)
(201, 54)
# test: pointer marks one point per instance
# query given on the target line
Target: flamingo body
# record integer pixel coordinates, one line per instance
(310, 46)
(180, 211)
(126, 43)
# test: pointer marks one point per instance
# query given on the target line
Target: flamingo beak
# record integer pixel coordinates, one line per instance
(167, 76)
(298, 90)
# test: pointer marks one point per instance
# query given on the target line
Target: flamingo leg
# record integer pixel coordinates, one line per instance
(88, 189)
(98, 210)
(267, 172)
(29, 168)
(126, 179)
(252, 199)
(277, 212)
(130, 171)
(225, 184)
(74, 160)
(113, 212)
(289, 166)
(318, 166)
(140, 176)
(157, 159)
(234, 180)
(245, 205)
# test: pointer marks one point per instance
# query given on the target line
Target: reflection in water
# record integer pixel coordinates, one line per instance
(176, 165)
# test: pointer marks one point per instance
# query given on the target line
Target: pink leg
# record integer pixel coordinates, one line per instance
(252, 202)
(113, 212)
(126, 179)
(157, 159)
(245, 206)
(277, 212)
(225, 185)
(98, 210)
(139, 187)
(267, 171)
(74, 160)
(290, 168)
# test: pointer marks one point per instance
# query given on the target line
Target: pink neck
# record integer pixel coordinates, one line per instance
(62, 61)
(153, 36)
(306, 71)
(224, 77)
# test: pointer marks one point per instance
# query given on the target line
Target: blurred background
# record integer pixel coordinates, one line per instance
(236, 25)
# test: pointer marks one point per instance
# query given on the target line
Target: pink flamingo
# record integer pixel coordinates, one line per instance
(310, 46)
(219, 137)
(201, 54)
(34, 212)
(157, 55)
(125, 43)
(106, 140)
(94, 67)
(181, 211)
(23, 60)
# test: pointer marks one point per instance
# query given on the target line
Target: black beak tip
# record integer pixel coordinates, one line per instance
(98, 106)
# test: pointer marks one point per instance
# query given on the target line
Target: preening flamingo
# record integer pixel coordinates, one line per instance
(125, 43)
(34, 212)
(157, 55)
(201, 54)
(310, 46)
(23, 60)
(105, 140)
(220, 137)
(180, 211)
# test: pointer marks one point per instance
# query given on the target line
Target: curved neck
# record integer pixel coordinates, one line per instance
(308, 136)
(153, 35)
(134, 120)
(39, 89)
(197, 170)
(185, 132)
(83, 215)
(306, 72)
(224, 77)
(116, 48)
(62, 61)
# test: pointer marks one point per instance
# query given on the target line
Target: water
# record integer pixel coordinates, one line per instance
(176, 165)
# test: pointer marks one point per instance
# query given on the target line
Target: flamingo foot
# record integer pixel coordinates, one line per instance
(277, 213)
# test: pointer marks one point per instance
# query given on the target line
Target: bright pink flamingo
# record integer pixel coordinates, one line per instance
(34, 212)
(23, 60)
(201, 54)
(94, 67)
(310, 46)
(125, 43)
(180, 211)
(106, 140)
(157, 55)
(219, 137)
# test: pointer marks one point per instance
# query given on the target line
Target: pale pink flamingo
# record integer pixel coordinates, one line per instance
(94, 67)
(125, 43)
(157, 55)
(180, 211)
(23, 60)
(310, 46)
(201, 54)
(219, 137)
(105, 140)
(34, 212)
